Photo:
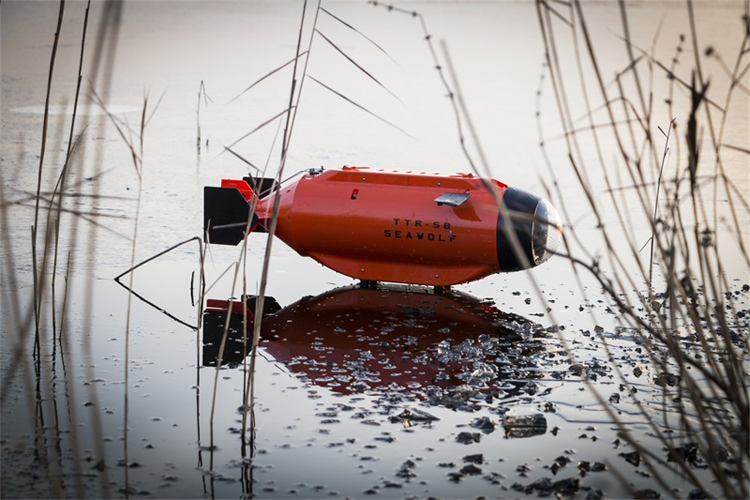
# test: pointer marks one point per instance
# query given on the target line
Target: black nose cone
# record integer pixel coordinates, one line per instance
(534, 224)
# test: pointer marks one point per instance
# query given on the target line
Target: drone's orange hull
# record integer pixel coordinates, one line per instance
(390, 226)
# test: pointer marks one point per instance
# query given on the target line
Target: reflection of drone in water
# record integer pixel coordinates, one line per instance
(386, 339)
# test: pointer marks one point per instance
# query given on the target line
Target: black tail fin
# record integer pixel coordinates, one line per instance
(261, 186)
(226, 214)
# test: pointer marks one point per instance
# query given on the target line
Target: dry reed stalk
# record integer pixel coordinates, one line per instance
(138, 165)
(39, 281)
(41, 245)
(100, 77)
(43, 149)
(722, 369)
(285, 143)
(272, 72)
(60, 186)
(366, 110)
(136, 153)
(656, 201)
(248, 387)
(206, 99)
(356, 64)
(381, 49)
(459, 109)
(270, 120)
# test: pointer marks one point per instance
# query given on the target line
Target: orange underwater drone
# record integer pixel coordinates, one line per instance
(403, 227)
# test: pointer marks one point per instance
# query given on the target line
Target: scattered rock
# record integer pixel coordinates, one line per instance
(405, 471)
(471, 469)
(455, 476)
(523, 468)
(567, 486)
(468, 437)
(474, 459)
(667, 379)
(413, 415)
(542, 485)
(686, 452)
(719, 454)
(525, 425)
(632, 457)
(647, 494)
(584, 468)
(697, 494)
(494, 477)
(485, 424)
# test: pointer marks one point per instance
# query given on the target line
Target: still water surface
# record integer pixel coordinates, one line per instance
(390, 392)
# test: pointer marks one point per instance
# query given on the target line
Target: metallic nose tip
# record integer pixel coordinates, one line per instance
(546, 232)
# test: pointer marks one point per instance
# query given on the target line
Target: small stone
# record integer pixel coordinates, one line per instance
(484, 424)
(576, 369)
(405, 471)
(567, 486)
(697, 494)
(525, 425)
(584, 468)
(686, 452)
(647, 494)
(468, 437)
(543, 485)
(474, 459)
(632, 457)
(455, 476)
(413, 415)
(471, 469)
